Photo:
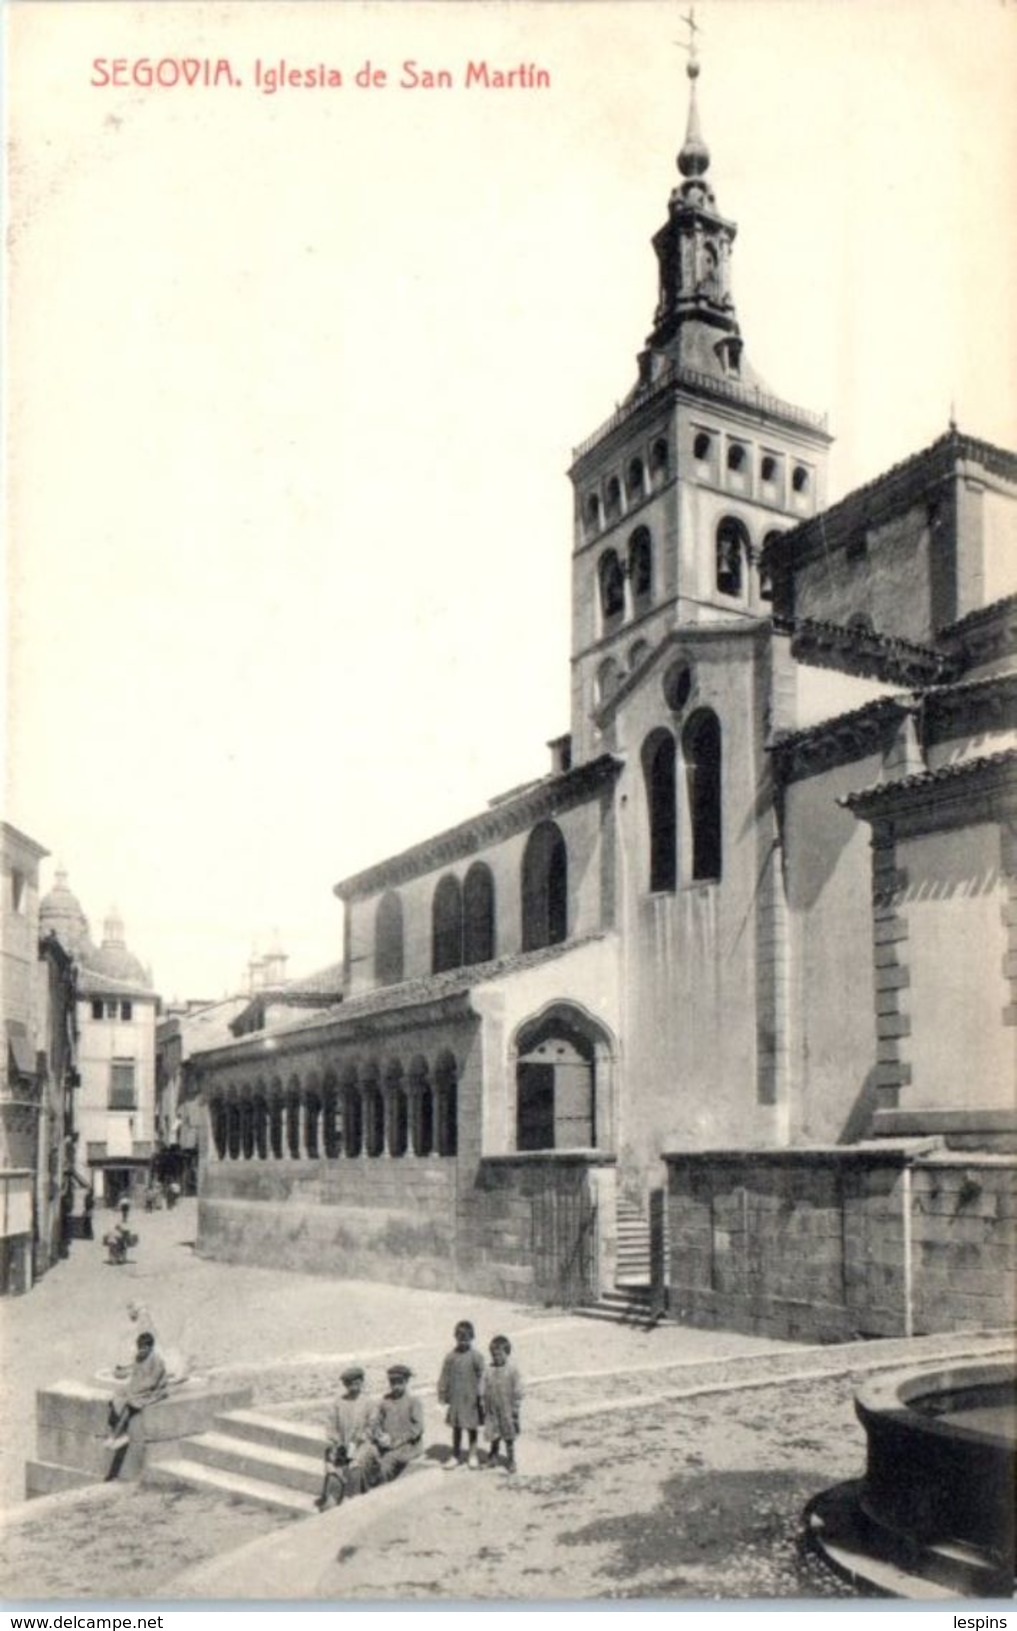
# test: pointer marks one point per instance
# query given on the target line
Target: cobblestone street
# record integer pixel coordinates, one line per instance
(648, 1461)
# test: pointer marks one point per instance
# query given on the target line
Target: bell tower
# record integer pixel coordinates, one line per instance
(678, 492)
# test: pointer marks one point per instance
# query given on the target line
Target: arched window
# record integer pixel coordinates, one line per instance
(233, 1137)
(447, 924)
(312, 1122)
(397, 1114)
(220, 1130)
(608, 679)
(332, 1137)
(661, 804)
(800, 479)
(637, 651)
(247, 1128)
(612, 585)
(293, 1123)
(765, 570)
(388, 940)
(275, 1123)
(374, 1117)
(478, 914)
(447, 1086)
(612, 499)
(545, 887)
(768, 467)
(261, 1127)
(592, 513)
(555, 1086)
(422, 1107)
(353, 1115)
(634, 481)
(736, 456)
(732, 550)
(659, 462)
(701, 446)
(641, 567)
(702, 758)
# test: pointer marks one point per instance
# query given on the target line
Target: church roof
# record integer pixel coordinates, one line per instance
(994, 770)
(886, 495)
(547, 797)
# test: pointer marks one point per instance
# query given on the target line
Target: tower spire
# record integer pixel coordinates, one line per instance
(694, 156)
(694, 323)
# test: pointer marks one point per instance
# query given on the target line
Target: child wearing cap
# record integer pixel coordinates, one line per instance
(461, 1387)
(350, 1442)
(503, 1395)
(398, 1428)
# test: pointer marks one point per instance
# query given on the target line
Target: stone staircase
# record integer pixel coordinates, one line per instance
(250, 1456)
(630, 1302)
(633, 1246)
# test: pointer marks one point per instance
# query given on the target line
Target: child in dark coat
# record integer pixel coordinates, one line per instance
(461, 1387)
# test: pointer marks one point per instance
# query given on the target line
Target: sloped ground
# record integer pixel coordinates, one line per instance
(623, 1492)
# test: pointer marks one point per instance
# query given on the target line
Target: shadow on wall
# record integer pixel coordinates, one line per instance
(859, 1119)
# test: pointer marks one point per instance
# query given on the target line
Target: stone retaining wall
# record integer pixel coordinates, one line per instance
(826, 1245)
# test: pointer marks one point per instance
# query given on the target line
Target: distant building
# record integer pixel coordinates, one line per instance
(117, 1009)
(39, 1076)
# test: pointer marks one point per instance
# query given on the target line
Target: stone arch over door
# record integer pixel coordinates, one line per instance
(563, 1071)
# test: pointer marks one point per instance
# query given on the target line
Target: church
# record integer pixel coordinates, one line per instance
(727, 999)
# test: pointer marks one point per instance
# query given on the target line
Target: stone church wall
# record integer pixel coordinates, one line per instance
(827, 1245)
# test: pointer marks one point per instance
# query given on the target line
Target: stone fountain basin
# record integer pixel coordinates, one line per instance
(941, 1462)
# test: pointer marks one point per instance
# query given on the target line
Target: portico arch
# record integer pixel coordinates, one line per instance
(563, 1073)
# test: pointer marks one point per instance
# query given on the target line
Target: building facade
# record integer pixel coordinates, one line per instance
(725, 924)
(117, 1009)
(40, 1073)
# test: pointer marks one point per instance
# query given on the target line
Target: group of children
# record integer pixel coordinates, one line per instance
(371, 1443)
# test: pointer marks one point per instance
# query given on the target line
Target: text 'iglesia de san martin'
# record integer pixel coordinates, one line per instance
(725, 1000)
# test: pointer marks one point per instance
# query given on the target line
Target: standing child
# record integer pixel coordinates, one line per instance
(503, 1393)
(351, 1460)
(461, 1387)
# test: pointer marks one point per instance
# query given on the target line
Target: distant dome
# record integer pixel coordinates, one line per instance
(60, 914)
(113, 958)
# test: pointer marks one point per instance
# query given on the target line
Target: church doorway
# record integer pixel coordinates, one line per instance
(561, 1075)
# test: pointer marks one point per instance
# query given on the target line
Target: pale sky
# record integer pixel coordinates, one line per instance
(293, 382)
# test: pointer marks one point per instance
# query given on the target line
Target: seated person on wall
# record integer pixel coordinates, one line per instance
(398, 1424)
(352, 1463)
(141, 1324)
(145, 1385)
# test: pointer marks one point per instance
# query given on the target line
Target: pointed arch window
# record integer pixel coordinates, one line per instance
(612, 585)
(662, 808)
(641, 568)
(701, 754)
(732, 553)
(545, 887)
(478, 914)
(388, 940)
(447, 925)
(608, 679)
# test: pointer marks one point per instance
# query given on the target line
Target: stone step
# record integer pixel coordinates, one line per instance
(249, 1459)
(254, 1425)
(236, 1486)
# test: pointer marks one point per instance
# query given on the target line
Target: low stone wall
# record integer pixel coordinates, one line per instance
(537, 1227)
(540, 1227)
(380, 1219)
(71, 1426)
(826, 1245)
